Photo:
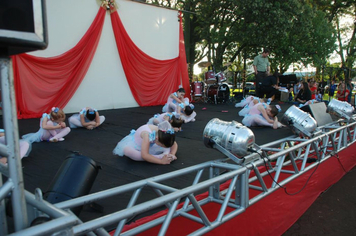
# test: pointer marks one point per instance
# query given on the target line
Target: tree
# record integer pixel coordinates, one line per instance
(228, 30)
(346, 33)
(297, 31)
(294, 31)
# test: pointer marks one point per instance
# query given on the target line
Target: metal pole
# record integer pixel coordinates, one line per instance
(12, 140)
(3, 223)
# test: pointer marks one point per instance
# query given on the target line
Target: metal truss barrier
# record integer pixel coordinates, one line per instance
(225, 182)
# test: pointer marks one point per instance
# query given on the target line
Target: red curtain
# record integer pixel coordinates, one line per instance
(151, 81)
(183, 59)
(41, 83)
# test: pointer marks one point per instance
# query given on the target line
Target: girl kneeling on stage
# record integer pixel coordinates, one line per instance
(155, 144)
(174, 100)
(262, 114)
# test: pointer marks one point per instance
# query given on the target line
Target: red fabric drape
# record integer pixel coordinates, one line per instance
(183, 59)
(41, 83)
(151, 81)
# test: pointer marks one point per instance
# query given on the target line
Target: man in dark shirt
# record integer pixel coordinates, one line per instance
(269, 86)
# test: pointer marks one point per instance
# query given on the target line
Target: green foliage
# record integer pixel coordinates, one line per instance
(293, 30)
(296, 31)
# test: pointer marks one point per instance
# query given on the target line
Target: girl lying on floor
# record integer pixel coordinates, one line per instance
(151, 143)
(249, 102)
(172, 118)
(25, 147)
(186, 111)
(262, 114)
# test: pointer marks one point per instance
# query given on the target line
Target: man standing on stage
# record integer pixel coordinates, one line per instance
(261, 66)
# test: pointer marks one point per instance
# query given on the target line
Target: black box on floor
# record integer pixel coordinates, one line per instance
(238, 95)
(284, 97)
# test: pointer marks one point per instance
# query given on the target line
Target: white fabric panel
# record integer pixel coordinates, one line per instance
(154, 30)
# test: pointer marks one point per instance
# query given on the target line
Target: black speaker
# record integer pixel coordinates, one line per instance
(74, 179)
(288, 79)
(318, 111)
(23, 26)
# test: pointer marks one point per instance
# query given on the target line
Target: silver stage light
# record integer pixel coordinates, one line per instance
(231, 138)
(301, 122)
(340, 109)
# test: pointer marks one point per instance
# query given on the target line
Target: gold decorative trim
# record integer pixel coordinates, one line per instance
(109, 5)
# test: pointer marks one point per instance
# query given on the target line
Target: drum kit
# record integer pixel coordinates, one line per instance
(213, 89)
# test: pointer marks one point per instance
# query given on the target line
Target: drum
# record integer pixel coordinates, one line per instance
(218, 93)
(224, 93)
(197, 88)
(210, 77)
(212, 93)
(221, 77)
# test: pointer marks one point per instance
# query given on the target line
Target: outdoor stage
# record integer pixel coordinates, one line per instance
(46, 158)
(92, 47)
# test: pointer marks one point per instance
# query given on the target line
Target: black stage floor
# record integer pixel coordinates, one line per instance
(46, 158)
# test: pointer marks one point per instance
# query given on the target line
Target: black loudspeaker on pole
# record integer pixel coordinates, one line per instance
(74, 178)
(23, 26)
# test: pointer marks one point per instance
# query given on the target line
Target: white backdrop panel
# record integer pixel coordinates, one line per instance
(154, 30)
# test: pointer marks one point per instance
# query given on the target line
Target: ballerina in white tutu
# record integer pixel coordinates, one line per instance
(151, 143)
(172, 118)
(262, 114)
(249, 102)
(88, 118)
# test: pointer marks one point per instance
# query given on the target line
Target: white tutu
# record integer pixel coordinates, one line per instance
(189, 118)
(255, 120)
(242, 103)
(129, 140)
(244, 111)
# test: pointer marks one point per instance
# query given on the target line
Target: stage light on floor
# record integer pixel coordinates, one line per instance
(301, 123)
(231, 138)
(340, 109)
(74, 179)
